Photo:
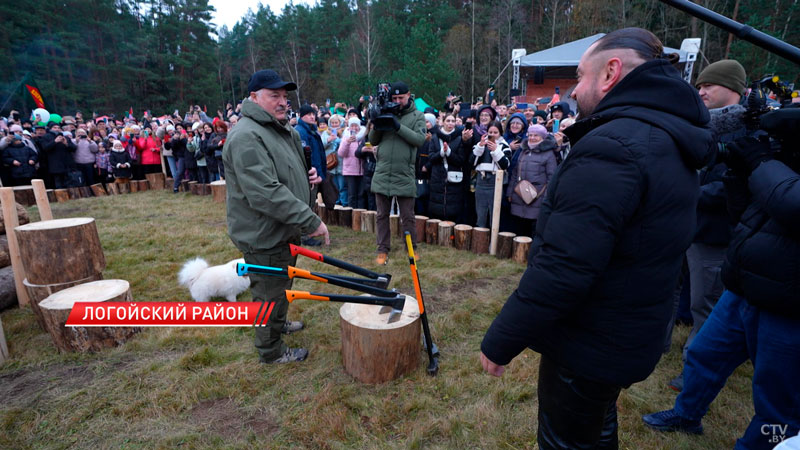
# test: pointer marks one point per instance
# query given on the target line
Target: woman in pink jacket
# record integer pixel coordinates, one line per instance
(351, 164)
(149, 149)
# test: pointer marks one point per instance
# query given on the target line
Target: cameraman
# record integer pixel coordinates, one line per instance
(758, 316)
(394, 172)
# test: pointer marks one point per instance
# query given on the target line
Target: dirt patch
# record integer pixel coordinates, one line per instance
(224, 418)
(447, 298)
(23, 387)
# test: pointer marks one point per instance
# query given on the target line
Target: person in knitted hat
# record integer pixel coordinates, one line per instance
(721, 84)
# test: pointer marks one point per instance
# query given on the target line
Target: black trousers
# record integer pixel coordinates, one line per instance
(575, 413)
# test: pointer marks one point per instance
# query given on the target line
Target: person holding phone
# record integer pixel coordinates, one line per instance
(536, 164)
(489, 155)
(85, 151)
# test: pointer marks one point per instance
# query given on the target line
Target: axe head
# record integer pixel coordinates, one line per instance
(395, 309)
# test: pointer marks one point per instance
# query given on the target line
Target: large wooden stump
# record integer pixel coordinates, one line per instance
(206, 189)
(86, 192)
(394, 225)
(98, 190)
(134, 185)
(346, 217)
(24, 195)
(419, 224)
(431, 232)
(144, 185)
(8, 288)
(38, 292)
(445, 238)
(463, 236)
(112, 188)
(184, 186)
(61, 250)
(480, 240)
(169, 183)
(522, 245)
(51, 195)
(56, 308)
(156, 180)
(22, 215)
(505, 244)
(374, 351)
(356, 225)
(333, 215)
(195, 188)
(124, 188)
(74, 193)
(218, 191)
(368, 220)
(62, 195)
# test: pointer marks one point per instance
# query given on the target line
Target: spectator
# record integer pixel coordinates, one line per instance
(351, 164)
(177, 143)
(447, 164)
(536, 163)
(366, 152)
(422, 167)
(120, 161)
(21, 159)
(217, 144)
(212, 168)
(59, 151)
(194, 148)
(102, 163)
(562, 140)
(489, 155)
(148, 147)
(85, 151)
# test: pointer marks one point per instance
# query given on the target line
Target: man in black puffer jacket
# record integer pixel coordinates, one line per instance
(616, 219)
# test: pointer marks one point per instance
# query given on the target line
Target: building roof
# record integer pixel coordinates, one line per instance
(569, 54)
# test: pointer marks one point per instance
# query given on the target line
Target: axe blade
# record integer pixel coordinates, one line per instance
(395, 310)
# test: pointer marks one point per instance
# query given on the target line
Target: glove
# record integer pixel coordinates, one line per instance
(396, 123)
(746, 153)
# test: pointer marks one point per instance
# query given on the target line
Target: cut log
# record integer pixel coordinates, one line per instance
(195, 188)
(169, 183)
(419, 224)
(356, 225)
(522, 245)
(431, 232)
(505, 244)
(86, 191)
(112, 188)
(98, 190)
(124, 188)
(22, 215)
(368, 219)
(155, 180)
(333, 215)
(134, 186)
(24, 195)
(56, 308)
(38, 292)
(51, 195)
(144, 185)
(62, 195)
(218, 191)
(394, 225)
(463, 236)
(8, 289)
(346, 217)
(61, 250)
(5, 256)
(446, 233)
(374, 351)
(184, 186)
(480, 240)
(74, 193)
(42, 203)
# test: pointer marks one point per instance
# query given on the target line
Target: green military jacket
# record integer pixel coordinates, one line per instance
(397, 153)
(266, 180)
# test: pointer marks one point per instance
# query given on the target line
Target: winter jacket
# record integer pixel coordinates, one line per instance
(22, 153)
(616, 220)
(446, 198)
(510, 137)
(215, 145)
(118, 158)
(537, 165)
(268, 195)
(351, 164)
(193, 149)
(145, 147)
(397, 154)
(484, 160)
(424, 153)
(310, 138)
(763, 260)
(332, 147)
(208, 151)
(59, 156)
(85, 150)
(368, 162)
(177, 143)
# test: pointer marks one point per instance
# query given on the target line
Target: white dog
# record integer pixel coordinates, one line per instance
(205, 282)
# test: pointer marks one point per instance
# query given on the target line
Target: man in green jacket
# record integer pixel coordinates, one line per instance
(394, 172)
(268, 200)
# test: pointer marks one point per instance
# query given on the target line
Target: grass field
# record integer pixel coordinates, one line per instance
(203, 387)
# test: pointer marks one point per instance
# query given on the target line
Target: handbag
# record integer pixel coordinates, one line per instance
(453, 176)
(330, 193)
(331, 161)
(526, 191)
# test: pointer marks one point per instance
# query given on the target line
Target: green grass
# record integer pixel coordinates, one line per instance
(203, 387)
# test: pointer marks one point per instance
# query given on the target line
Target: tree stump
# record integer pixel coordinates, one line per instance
(112, 188)
(206, 189)
(463, 236)
(124, 188)
(184, 186)
(394, 225)
(419, 224)
(39, 292)
(333, 215)
(5, 256)
(357, 213)
(61, 250)
(368, 219)
(86, 192)
(98, 190)
(24, 195)
(169, 183)
(218, 191)
(346, 217)
(74, 193)
(195, 188)
(62, 195)
(8, 288)
(22, 214)
(56, 308)
(144, 185)
(480, 240)
(51, 195)
(155, 180)
(374, 351)
(505, 244)
(445, 238)
(522, 245)
(431, 231)
(134, 186)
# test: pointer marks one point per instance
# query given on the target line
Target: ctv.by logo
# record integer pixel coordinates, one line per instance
(775, 431)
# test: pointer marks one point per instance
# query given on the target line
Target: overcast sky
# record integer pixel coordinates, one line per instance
(230, 11)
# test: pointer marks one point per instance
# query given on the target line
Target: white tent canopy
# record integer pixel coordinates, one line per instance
(569, 54)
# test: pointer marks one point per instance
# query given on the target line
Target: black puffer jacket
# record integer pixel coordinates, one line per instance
(446, 197)
(616, 220)
(763, 260)
(23, 154)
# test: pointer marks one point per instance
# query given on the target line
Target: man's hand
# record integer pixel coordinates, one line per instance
(322, 230)
(17, 163)
(746, 153)
(491, 368)
(466, 135)
(396, 123)
(30, 162)
(313, 178)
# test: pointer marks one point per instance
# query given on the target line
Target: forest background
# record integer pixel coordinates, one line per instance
(107, 56)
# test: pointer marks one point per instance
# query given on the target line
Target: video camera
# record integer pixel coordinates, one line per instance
(382, 109)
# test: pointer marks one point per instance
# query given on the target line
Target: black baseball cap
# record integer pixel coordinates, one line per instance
(399, 88)
(268, 79)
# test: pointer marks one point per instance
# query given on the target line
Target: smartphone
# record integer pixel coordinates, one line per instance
(468, 126)
(556, 125)
(558, 90)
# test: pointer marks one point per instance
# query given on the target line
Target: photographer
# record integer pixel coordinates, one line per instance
(58, 149)
(85, 151)
(758, 316)
(394, 172)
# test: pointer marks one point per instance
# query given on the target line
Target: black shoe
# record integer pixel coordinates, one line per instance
(676, 384)
(290, 327)
(291, 355)
(311, 242)
(669, 420)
